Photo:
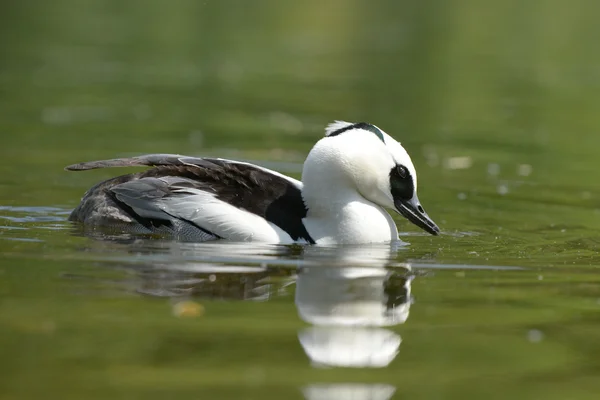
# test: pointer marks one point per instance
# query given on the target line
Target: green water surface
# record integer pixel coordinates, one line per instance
(498, 103)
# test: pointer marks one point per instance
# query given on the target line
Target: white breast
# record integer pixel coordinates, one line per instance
(358, 221)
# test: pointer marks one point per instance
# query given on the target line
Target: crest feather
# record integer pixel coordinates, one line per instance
(336, 126)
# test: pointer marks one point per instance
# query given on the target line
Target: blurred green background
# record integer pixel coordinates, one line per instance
(496, 101)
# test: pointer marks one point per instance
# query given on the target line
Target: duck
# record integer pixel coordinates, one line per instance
(350, 178)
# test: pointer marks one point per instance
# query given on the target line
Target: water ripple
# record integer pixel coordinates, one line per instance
(30, 220)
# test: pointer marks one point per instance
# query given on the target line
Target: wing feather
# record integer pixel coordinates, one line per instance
(154, 160)
(155, 199)
(231, 199)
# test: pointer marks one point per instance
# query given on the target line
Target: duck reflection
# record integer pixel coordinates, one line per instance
(349, 307)
(225, 271)
(350, 296)
(216, 282)
(348, 391)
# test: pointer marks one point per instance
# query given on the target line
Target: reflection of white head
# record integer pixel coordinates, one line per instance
(348, 391)
(352, 296)
(348, 306)
(345, 346)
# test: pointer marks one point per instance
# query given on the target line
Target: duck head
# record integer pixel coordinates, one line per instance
(375, 165)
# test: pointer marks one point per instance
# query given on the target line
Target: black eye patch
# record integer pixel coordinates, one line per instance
(361, 125)
(401, 183)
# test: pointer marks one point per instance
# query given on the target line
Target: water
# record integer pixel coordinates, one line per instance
(497, 104)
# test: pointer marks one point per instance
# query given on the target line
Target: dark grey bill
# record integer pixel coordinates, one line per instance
(412, 211)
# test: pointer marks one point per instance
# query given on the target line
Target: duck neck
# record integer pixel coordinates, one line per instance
(338, 214)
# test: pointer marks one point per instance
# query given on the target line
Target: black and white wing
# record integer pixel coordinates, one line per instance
(218, 198)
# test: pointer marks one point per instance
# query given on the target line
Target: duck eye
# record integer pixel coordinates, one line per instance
(402, 172)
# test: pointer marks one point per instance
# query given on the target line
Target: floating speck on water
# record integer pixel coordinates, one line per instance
(460, 274)
(563, 230)
(212, 277)
(188, 309)
(196, 138)
(286, 122)
(69, 115)
(255, 376)
(540, 277)
(502, 189)
(48, 327)
(431, 155)
(586, 195)
(142, 112)
(524, 169)
(230, 72)
(462, 196)
(535, 336)
(464, 162)
(56, 115)
(493, 169)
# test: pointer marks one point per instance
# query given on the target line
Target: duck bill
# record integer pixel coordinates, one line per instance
(412, 211)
